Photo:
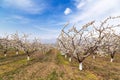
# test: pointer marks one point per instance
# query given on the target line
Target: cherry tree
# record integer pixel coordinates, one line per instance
(110, 44)
(74, 42)
(83, 42)
(5, 43)
(29, 47)
(16, 42)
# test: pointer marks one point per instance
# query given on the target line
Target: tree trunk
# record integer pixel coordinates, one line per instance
(111, 60)
(80, 66)
(65, 56)
(93, 56)
(5, 55)
(17, 53)
(112, 56)
(28, 58)
(69, 59)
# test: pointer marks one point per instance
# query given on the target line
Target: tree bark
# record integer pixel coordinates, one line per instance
(93, 56)
(65, 56)
(28, 58)
(111, 60)
(70, 59)
(17, 53)
(5, 55)
(112, 56)
(80, 66)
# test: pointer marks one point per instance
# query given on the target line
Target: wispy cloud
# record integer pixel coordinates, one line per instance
(49, 35)
(81, 3)
(17, 19)
(25, 5)
(67, 11)
(45, 29)
(94, 10)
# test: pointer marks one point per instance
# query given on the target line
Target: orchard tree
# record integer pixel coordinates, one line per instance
(5, 43)
(64, 46)
(73, 41)
(29, 47)
(111, 45)
(83, 42)
(16, 42)
(111, 42)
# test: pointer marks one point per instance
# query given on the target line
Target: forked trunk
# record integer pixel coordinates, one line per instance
(112, 56)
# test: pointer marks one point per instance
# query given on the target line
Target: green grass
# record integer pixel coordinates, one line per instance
(52, 76)
(61, 60)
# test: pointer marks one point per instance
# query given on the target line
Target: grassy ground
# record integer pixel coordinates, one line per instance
(53, 66)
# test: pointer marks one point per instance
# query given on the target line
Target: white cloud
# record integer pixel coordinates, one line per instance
(25, 5)
(95, 10)
(67, 11)
(81, 3)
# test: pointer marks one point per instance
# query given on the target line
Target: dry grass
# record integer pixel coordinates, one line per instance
(53, 66)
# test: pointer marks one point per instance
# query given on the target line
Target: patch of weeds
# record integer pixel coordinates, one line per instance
(13, 68)
(40, 79)
(61, 60)
(24, 61)
(1, 78)
(1, 58)
(91, 76)
(62, 74)
(53, 76)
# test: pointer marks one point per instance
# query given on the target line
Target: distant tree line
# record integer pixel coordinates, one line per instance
(21, 43)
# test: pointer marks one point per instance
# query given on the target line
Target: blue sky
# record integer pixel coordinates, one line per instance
(45, 18)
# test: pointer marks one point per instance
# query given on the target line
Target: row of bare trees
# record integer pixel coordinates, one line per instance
(90, 39)
(22, 43)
